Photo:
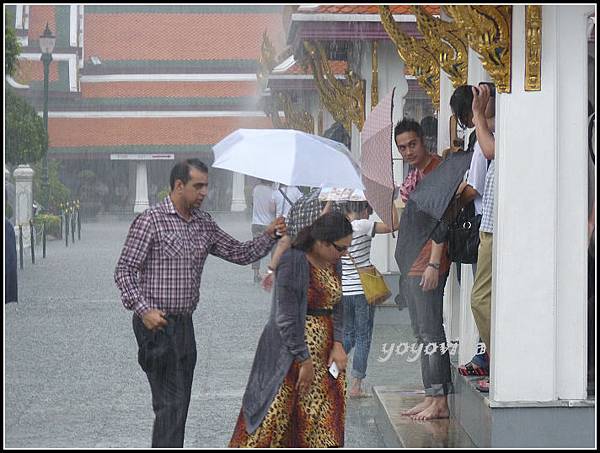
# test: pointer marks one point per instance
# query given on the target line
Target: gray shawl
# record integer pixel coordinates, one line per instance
(282, 340)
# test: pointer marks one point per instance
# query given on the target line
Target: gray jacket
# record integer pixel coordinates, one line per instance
(282, 340)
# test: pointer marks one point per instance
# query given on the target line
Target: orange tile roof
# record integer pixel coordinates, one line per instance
(168, 89)
(33, 70)
(163, 36)
(367, 9)
(38, 16)
(93, 132)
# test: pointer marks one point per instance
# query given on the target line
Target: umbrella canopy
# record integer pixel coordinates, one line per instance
(289, 157)
(338, 194)
(376, 159)
(426, 205)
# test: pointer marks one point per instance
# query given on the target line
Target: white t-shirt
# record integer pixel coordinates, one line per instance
(360, 249)
(262, 209)
(282, 207)
(477, 172)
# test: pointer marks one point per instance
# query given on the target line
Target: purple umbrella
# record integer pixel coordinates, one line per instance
(376, 159)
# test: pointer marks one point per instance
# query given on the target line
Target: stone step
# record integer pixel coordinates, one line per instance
(518, 424)
(402, 432)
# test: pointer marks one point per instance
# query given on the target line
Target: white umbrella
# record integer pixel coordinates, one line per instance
(289, 157)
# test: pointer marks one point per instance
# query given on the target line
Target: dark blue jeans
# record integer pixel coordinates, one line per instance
(358, 331)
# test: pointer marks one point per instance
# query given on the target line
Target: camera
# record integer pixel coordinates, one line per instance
(492, 88)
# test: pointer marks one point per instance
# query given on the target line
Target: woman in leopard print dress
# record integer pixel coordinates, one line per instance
(292, 400)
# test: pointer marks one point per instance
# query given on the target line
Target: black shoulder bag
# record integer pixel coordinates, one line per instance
(463, 231)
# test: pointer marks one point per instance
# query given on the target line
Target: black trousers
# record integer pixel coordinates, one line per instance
(168, 358)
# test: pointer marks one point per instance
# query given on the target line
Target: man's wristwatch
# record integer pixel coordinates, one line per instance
(436, 266)
(270, 270)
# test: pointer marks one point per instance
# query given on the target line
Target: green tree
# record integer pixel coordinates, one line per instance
(26, 139)
(12, 49)
(59, 193)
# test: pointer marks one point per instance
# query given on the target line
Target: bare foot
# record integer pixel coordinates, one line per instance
(438, 409)
(419, 407)
(355, 390)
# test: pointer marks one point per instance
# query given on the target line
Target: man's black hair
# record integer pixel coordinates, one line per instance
(408, 125)
(181, 170)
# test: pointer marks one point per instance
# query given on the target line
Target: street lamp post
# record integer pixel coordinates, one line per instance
(47, 41)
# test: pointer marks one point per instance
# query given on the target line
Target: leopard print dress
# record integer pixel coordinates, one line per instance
(316, 419)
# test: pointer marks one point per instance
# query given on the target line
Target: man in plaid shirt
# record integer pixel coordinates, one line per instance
(159, 274)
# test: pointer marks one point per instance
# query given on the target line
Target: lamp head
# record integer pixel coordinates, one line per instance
(47, 41)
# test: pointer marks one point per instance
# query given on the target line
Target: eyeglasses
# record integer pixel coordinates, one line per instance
(341, 249)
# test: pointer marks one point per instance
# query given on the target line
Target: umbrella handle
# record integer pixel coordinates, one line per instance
(285, 196)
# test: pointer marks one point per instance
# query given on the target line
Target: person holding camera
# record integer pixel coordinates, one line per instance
(464, 108)
(480, 114)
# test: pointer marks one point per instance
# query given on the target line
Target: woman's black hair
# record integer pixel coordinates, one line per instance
(329, 227)
(356, 206)
(461, 103)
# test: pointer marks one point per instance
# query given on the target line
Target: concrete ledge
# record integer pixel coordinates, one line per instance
(400, 431)
(516, 424)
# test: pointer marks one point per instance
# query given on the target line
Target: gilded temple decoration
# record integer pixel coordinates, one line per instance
(419, 59)
(447, 41)
(320, 123)
(295, 117)
(488, 29)
(533, 48)
(374, 75)
(266, 61)
(345, 102)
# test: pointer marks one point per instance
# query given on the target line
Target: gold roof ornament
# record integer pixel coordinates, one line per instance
(488, 30)
(533, 48)
(420, 60)
(448, 42)
(266, 61)
(345, 102)
(295, 116)
(374, 75)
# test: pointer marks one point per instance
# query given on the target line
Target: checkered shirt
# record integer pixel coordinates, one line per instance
(163, 257)
(487, 217)
(305, 211)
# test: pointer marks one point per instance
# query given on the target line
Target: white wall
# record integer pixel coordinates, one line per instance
(540, 245)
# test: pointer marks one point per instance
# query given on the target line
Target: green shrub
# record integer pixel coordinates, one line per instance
(52, 223)
(160, 196)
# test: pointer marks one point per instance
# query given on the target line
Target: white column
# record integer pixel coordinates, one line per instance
(468, 333)
(452, 288)
(540, 242)
(73, 16)
(23, 175)
(446, 90)
(19, 17)
(238, 199)
(141, 188)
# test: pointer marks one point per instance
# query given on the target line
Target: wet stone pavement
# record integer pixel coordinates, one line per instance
(71, 373)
